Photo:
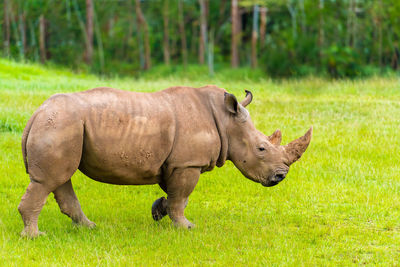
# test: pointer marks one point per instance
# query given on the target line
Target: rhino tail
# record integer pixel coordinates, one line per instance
(25, 138)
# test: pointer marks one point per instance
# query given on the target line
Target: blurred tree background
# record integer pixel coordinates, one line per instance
(337, 38)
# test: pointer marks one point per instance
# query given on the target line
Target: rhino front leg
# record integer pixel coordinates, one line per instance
(179, 186)
(159, 208)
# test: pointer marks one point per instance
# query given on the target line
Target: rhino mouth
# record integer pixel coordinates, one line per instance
(275, 179)
(269, 183)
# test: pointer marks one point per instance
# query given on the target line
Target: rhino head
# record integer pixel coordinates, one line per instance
(260, 158)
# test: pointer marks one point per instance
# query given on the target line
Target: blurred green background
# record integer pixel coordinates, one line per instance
(276, 38)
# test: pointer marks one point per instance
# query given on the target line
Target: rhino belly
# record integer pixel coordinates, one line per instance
(118, 169)
(129, 151)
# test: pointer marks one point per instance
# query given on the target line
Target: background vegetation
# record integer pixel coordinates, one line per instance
(338, 38)
(339, 205)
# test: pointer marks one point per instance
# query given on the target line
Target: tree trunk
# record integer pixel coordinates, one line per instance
(33, 45)
(380, 34)
(354, 25)
(110, 26)
(42, 39)
(221, 12)
(99, 41)
(143, 28)
(166, 33)
(221, 20)
(203, 31)
(15, 30)
(235, 34)
(129, 33)
(263, 25)
(210, 53)
(321, 33)
(68, 7)
(89, 32)
(395, 57)
(6, 26)
(194, 40)
(351, 23)
(303, 17)
(254, 37)
(182, 32)
(293, 14)
(22, 30)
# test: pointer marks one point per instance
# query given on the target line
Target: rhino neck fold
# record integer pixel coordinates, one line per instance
(221, 128)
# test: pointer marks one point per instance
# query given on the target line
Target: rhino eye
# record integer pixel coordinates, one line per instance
(261, 149)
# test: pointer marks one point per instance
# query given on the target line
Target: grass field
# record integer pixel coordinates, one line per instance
(339, 205)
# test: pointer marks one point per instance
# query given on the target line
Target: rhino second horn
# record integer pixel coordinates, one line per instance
(296, 148)
(275, 138)
(248, 99)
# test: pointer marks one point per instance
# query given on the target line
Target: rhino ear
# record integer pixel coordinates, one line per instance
(248, 99)
(231, 103)
(275, 138)
(296, 148)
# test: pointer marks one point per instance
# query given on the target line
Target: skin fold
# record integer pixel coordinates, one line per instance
(168, 138)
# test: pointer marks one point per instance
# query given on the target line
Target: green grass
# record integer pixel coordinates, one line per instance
(339, 205)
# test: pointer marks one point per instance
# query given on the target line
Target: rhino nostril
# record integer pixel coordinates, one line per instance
(280, 176)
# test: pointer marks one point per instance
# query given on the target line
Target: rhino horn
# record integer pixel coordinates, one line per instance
(248, 99)
(275, 138)
(296, 148)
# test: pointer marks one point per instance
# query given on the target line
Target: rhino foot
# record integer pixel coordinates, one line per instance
(184, 223)
(85, 223)
(29, 234)
(159, 209)
(90, 225)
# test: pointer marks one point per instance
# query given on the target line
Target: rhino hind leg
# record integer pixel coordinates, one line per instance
(30, 206)
(159, 209)
(70, 206)
(53, 151)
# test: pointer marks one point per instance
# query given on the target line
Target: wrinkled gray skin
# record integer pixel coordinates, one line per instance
(167, 138)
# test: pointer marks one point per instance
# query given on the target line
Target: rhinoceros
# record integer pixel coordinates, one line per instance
(167, 138)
